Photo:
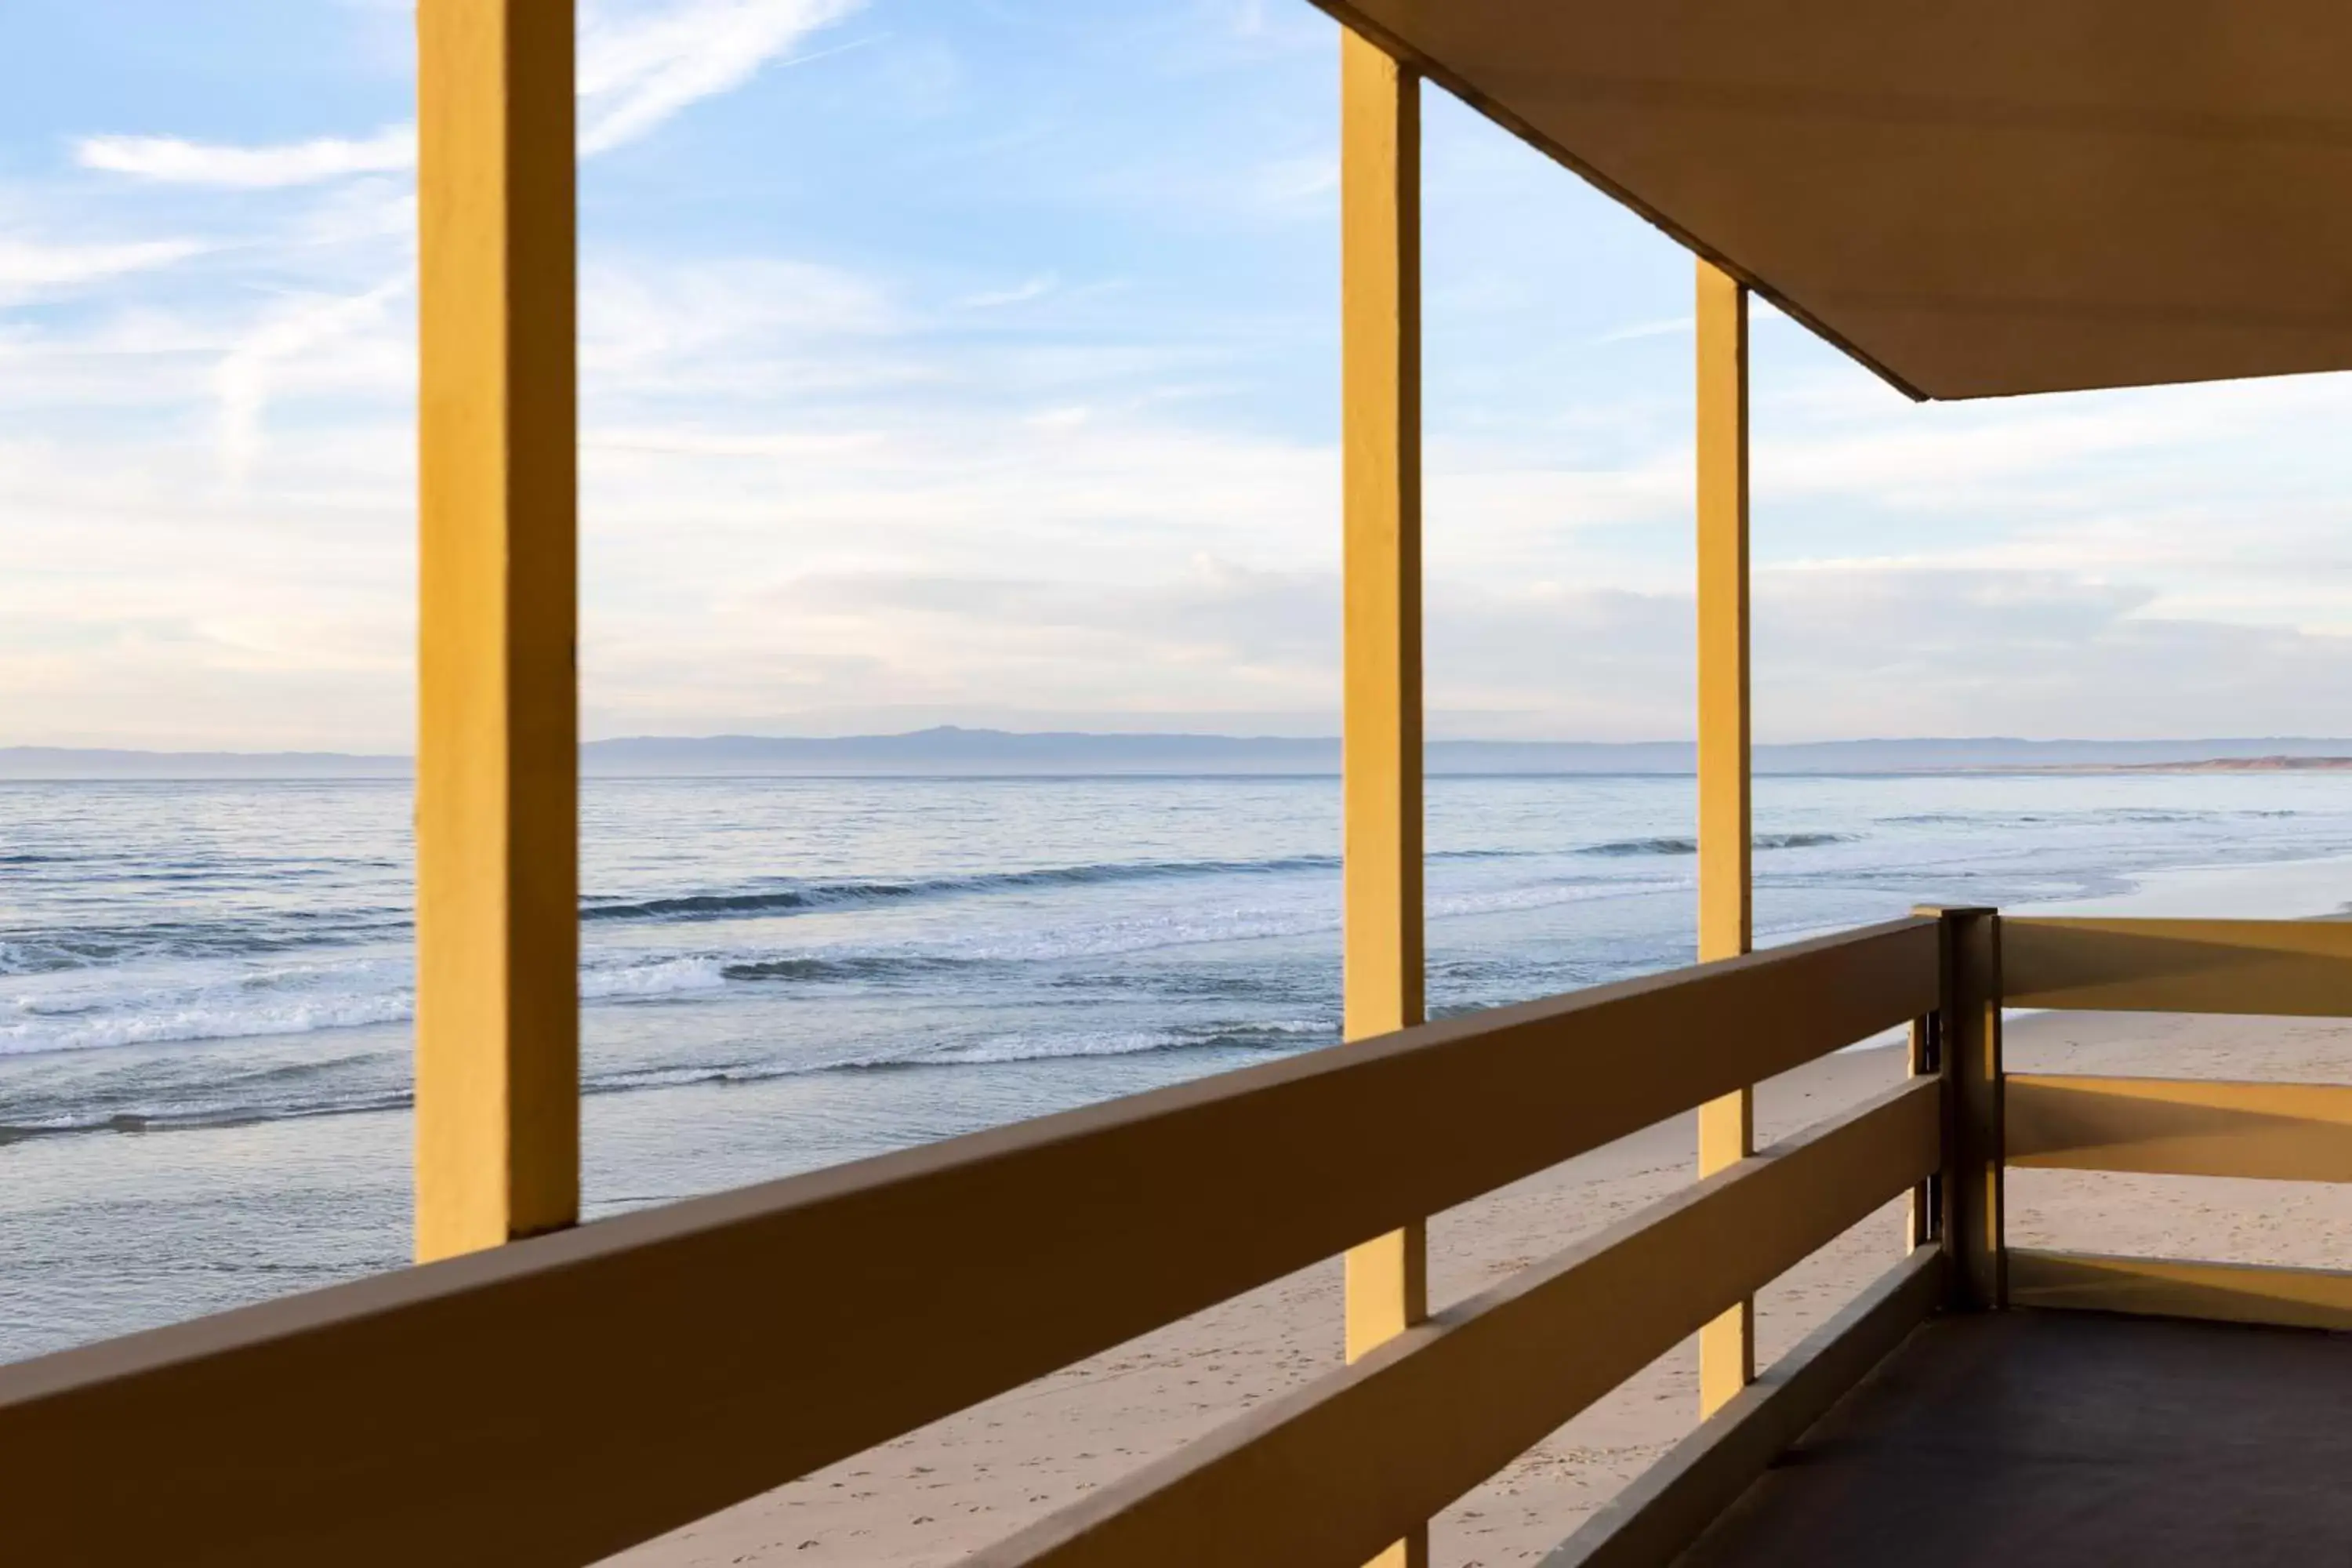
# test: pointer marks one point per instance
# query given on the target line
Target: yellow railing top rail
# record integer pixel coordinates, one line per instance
(2283, 967)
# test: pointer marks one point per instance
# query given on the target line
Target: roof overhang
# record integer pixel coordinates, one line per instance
(1975, 198)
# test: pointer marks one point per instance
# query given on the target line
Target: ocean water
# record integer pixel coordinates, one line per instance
(206, 987)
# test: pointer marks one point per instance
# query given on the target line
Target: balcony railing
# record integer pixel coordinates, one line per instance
(558, 1399)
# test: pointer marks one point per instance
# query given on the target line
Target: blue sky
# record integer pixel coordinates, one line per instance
(972, 362)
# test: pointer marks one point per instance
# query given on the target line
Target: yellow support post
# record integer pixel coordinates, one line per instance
(1726, 1346)
(1379, 207)
(498, 1115)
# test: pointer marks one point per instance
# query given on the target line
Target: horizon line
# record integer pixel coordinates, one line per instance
(322, 753)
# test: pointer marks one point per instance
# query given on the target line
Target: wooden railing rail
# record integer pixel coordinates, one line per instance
(2294, 968)
(2181, 1127)
(2269, 1294)
(1330, 1474)
(552, 1401)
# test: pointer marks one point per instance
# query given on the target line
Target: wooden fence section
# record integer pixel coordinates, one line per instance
(555, 1400)
(545, 1403)
(1330, 1475)
(2272, 1132)
(2285, 967)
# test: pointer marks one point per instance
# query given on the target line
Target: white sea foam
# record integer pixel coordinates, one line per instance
(163, 1003)
(1114, 936)
(608, 980)
(154, 1003)
(110, 949)
(1012, 1048)
(214, 999)
(1037, 1046)
(171, 1020)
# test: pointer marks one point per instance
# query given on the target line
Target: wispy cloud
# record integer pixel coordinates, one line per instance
(1673, 326)
(1308, 181)
(171, 161)
(640, 66)
(894, 447)
(246, 372)
(1021, 294)
(26, 268)
(696, 443)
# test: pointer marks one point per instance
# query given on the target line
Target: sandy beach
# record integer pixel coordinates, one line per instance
(937, 1493)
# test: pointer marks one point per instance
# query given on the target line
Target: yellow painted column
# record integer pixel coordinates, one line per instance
(1726, 1347)
(1379, 207)
(497, 1118)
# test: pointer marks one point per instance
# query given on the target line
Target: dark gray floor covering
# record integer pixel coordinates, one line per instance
(2023, 1439)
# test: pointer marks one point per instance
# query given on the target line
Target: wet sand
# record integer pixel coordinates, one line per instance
(928, 1498)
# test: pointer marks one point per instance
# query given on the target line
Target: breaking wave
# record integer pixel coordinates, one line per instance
(359, 1082)
(841, 895)
(1618, 848)
(796, 897)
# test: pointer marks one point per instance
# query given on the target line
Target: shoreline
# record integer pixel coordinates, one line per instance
(2318, 888)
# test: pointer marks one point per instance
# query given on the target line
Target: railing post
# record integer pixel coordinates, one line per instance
(1970, 1187)
(1727, 1131)
(497, 877)
(1379, 207)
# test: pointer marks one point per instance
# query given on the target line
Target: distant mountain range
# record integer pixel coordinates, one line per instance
(951, 751)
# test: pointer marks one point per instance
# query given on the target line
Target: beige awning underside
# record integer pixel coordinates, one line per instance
(1974, 197)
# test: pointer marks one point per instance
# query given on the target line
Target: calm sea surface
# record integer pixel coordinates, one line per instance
(205, 988)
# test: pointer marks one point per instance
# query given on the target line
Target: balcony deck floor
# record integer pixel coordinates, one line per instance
(2023, 1439)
